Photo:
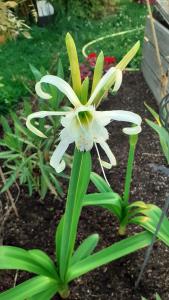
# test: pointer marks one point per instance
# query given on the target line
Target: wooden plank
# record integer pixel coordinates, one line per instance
(162, 36)
(149, 56)
(163, 8)
(152, 81)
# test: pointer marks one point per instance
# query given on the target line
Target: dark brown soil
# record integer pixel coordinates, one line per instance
(36, 224)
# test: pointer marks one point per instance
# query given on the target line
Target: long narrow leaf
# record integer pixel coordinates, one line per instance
(28, 288)
(100, 183)
(60, 73)
(58, 239)
(109, 200)
(5, 125)
(154, 114)
(46, 295)
(74, 64)
(85, 91)
(44, 260)
(98, 70)
(111, 253)
(85, 248)
(14, 258)
(150, 221)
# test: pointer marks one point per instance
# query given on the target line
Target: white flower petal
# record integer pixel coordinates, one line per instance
(61, 85)
(126, 116)
(132, 130)
(56, 160)
(99, 132)
(40, 92)
(101, 84)
(41, 114)
(109, 154)
(118, 82)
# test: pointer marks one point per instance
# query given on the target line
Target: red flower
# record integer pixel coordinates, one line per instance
(109, 59)
(92, 55)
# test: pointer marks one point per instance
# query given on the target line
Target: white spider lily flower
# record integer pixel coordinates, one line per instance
(83, 125)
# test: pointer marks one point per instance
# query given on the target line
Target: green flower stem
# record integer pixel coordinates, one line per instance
(79, 180)
(132, 142)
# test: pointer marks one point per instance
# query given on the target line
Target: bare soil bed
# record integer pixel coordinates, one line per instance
(35, 227)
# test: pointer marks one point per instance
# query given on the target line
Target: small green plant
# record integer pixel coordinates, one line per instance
(84, 126)
(87, 8)
(157, 297)
(138, 212)
(160, 130)
(25, 156)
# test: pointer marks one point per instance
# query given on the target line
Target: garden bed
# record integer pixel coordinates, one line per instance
(37, 222)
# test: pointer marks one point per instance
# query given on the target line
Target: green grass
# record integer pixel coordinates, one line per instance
(48, 43)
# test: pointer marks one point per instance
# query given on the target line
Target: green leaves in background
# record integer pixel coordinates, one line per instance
(160, 130)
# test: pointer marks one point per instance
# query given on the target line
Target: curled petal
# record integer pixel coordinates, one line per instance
(104, 83)
(126, 116)
(118, 81)
(61, 85)
(56, 160)
(110, 156)
(132, 130)
(41, 93)
(41, 114)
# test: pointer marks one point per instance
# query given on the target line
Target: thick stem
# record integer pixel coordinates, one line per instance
(123, 223)
(122, 230)
(132, 142)
(79, 180)
(64, 294)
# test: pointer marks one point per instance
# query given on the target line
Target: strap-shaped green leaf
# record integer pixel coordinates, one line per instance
(100, 183)
(14, 258)
(163, 136)
(45, 261)
(46, 295)
(111, 253)
(9, 182)
(7, 154)
(58, 239)
(74, 64)
(29, 288)
(5, 125)
(36, 73)
(108, 200)
(18, 124)
(128, 57)
(153, 112)
(85, 91)
(85, 248)
(149, 221)
(98, 70)
(79, 181)
(60, 73)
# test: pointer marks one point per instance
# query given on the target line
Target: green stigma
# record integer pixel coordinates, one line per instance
(85, 117)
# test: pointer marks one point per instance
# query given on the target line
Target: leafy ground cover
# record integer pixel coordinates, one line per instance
(47, 44)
